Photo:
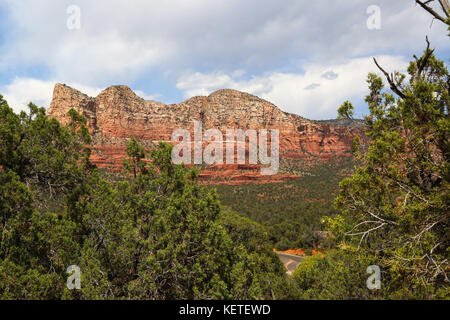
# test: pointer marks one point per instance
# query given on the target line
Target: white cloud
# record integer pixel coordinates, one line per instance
(21, 91)
(292, 92)
(146, 96)
(119, 42)
(305, 56)
(330, 75)
(312, 86)
(201, 84)
(25, 90)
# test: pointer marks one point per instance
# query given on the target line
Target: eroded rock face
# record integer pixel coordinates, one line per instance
(117, 113)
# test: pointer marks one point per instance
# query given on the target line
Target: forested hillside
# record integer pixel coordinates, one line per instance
(155, 234)
(293, 211)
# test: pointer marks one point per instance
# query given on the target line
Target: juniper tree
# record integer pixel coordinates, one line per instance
(397, 203)
(345, 111)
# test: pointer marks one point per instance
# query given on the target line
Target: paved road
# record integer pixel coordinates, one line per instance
(290, 261)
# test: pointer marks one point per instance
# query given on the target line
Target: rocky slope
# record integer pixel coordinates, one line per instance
(117, 113)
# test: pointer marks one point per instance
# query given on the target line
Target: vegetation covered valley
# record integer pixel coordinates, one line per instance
(292, 212)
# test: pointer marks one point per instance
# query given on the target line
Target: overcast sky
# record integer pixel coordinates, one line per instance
(307, 57)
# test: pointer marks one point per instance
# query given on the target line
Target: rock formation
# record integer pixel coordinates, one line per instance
(117, 113)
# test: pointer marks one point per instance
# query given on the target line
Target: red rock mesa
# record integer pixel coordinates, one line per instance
(117, 113)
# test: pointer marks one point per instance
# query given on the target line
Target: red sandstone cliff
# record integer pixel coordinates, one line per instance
(117, 113)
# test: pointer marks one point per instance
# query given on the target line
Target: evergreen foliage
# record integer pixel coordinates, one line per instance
(154, 235)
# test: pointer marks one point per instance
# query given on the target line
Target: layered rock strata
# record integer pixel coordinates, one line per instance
(117, 113)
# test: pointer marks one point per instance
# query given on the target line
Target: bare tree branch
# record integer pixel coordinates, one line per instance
(364, 233)
(430, 10)
(445, 7)
(423, 61)
(391, 81)
(381, 219)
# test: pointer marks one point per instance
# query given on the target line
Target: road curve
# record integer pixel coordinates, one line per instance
(290, 261)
